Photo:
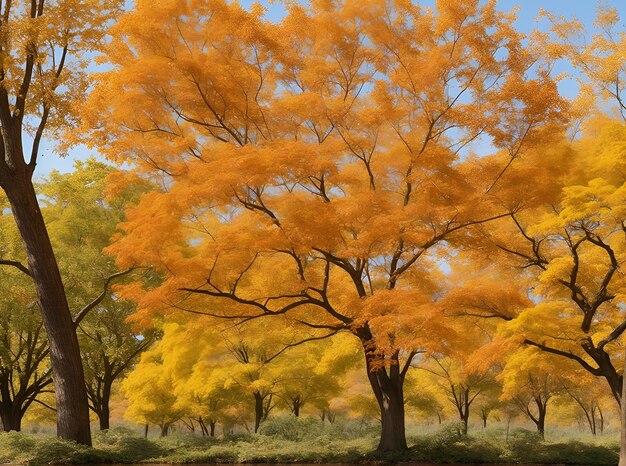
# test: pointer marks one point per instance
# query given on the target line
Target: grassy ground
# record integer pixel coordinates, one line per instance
(290, 440)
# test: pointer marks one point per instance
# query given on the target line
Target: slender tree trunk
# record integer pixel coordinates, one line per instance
(296, 406)
(622, 444)
(69, 381)
(464, 422)
(145, 431)
(601, 420)
(258, 410)
(540, 420)
(103, 417)
(104, 413)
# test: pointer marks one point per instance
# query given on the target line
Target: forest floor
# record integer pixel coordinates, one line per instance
(283, 443)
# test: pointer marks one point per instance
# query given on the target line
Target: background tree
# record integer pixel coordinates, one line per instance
(330, 160)
(148, 389)
(531, 381)
(80, 215)
(43, 73)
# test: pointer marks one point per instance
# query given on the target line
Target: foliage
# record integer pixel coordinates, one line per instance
(446, 446)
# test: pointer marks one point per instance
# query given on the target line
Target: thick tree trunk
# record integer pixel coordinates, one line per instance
(71, 394)
(212, 424)
(165, 428)
(11, 418)
(388, 390)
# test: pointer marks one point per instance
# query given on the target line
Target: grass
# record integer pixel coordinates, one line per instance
(291, 440)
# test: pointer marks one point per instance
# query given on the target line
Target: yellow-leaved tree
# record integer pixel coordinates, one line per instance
(319, 168)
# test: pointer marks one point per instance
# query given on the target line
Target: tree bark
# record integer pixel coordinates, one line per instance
(67, 369)
(622, 444)
(103, 409)
(11, 419)
(540, 420)
(297, 404)
(388, 390)
(258, 410)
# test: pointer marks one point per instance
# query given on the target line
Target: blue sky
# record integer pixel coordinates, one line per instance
(584, 10)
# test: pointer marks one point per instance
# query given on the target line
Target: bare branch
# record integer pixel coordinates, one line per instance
(85, 310)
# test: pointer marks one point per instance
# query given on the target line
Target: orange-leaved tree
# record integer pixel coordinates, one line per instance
(319, 167)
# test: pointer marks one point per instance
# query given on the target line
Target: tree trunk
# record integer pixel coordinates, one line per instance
(145, 431)
(11, 419)
(258, 410)
(104, 413)
(212, 424)
(103, 417)
(601, 420)
(464, 422)
(296, 406)
(540, 420)
(622, 444)
(67, 369)
(165, 430)
(388, 390)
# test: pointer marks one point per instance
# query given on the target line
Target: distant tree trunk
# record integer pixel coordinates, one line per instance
(484, 414)
(145, 431)
(258, 410)
(296, 405)
(67, 368)
(104, 417)
(104, 413)
(601, 419)
(540, 419)
(622, 444)
(387, 385)
(165, 428)
(461, 398)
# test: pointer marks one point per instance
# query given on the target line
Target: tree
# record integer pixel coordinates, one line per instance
(42, 76)
(148, 389)
(329, 152)
(531, 380)
(313, 374)
(80, 215)
(24, 367)
(462, 388)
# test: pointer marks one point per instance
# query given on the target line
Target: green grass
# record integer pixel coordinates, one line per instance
(291, 440)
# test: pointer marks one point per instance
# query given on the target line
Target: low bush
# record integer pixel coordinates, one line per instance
(306, 440)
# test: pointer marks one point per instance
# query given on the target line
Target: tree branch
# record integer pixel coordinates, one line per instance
(85, 310)
(17, 265)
